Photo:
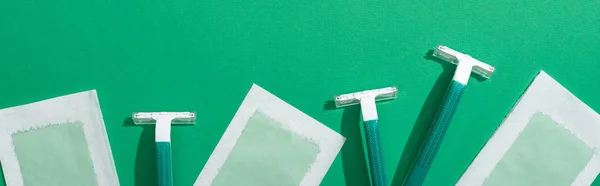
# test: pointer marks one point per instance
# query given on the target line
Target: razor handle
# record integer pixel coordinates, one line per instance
(378, 175)
(436, 133)
(164, 174)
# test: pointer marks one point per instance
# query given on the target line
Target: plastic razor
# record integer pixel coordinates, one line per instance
(465, 65)
(367, 100)
(163, 121)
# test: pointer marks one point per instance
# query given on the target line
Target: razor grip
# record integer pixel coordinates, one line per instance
(164, 174)
(435, 135)
(378, 175)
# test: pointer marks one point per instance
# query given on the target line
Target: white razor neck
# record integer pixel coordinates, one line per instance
(368, 109)
(463, 70)
(163, 129)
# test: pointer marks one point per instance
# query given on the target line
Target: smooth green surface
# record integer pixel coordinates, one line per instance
(55, 155)
(545, 153)
(267, 154)
(203, 56)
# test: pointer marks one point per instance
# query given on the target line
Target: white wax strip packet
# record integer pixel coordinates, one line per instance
(549, 138)
(59, 141)
(269, 142)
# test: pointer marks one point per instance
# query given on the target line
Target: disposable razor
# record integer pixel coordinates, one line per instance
(465, 65)
(163, 121)
(367, 100)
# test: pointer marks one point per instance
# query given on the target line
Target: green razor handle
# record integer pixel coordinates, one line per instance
(378, 175)
(436, 134)
(164, 173)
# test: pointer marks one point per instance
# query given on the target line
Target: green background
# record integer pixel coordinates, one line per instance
(180, 55)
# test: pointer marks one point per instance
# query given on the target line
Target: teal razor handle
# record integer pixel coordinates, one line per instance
(164, 174)
(378, 175)
(436, 133)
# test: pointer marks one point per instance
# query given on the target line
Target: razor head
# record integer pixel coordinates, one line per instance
(447, 54)
(381, 94)
(182, 118)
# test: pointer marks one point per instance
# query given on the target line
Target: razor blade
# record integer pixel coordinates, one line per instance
(354, 98)
(141, 118)
(455, 57)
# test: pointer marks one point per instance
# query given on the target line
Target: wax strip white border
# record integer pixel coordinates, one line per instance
(82, 107)
(328, 141)
(547, 96)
